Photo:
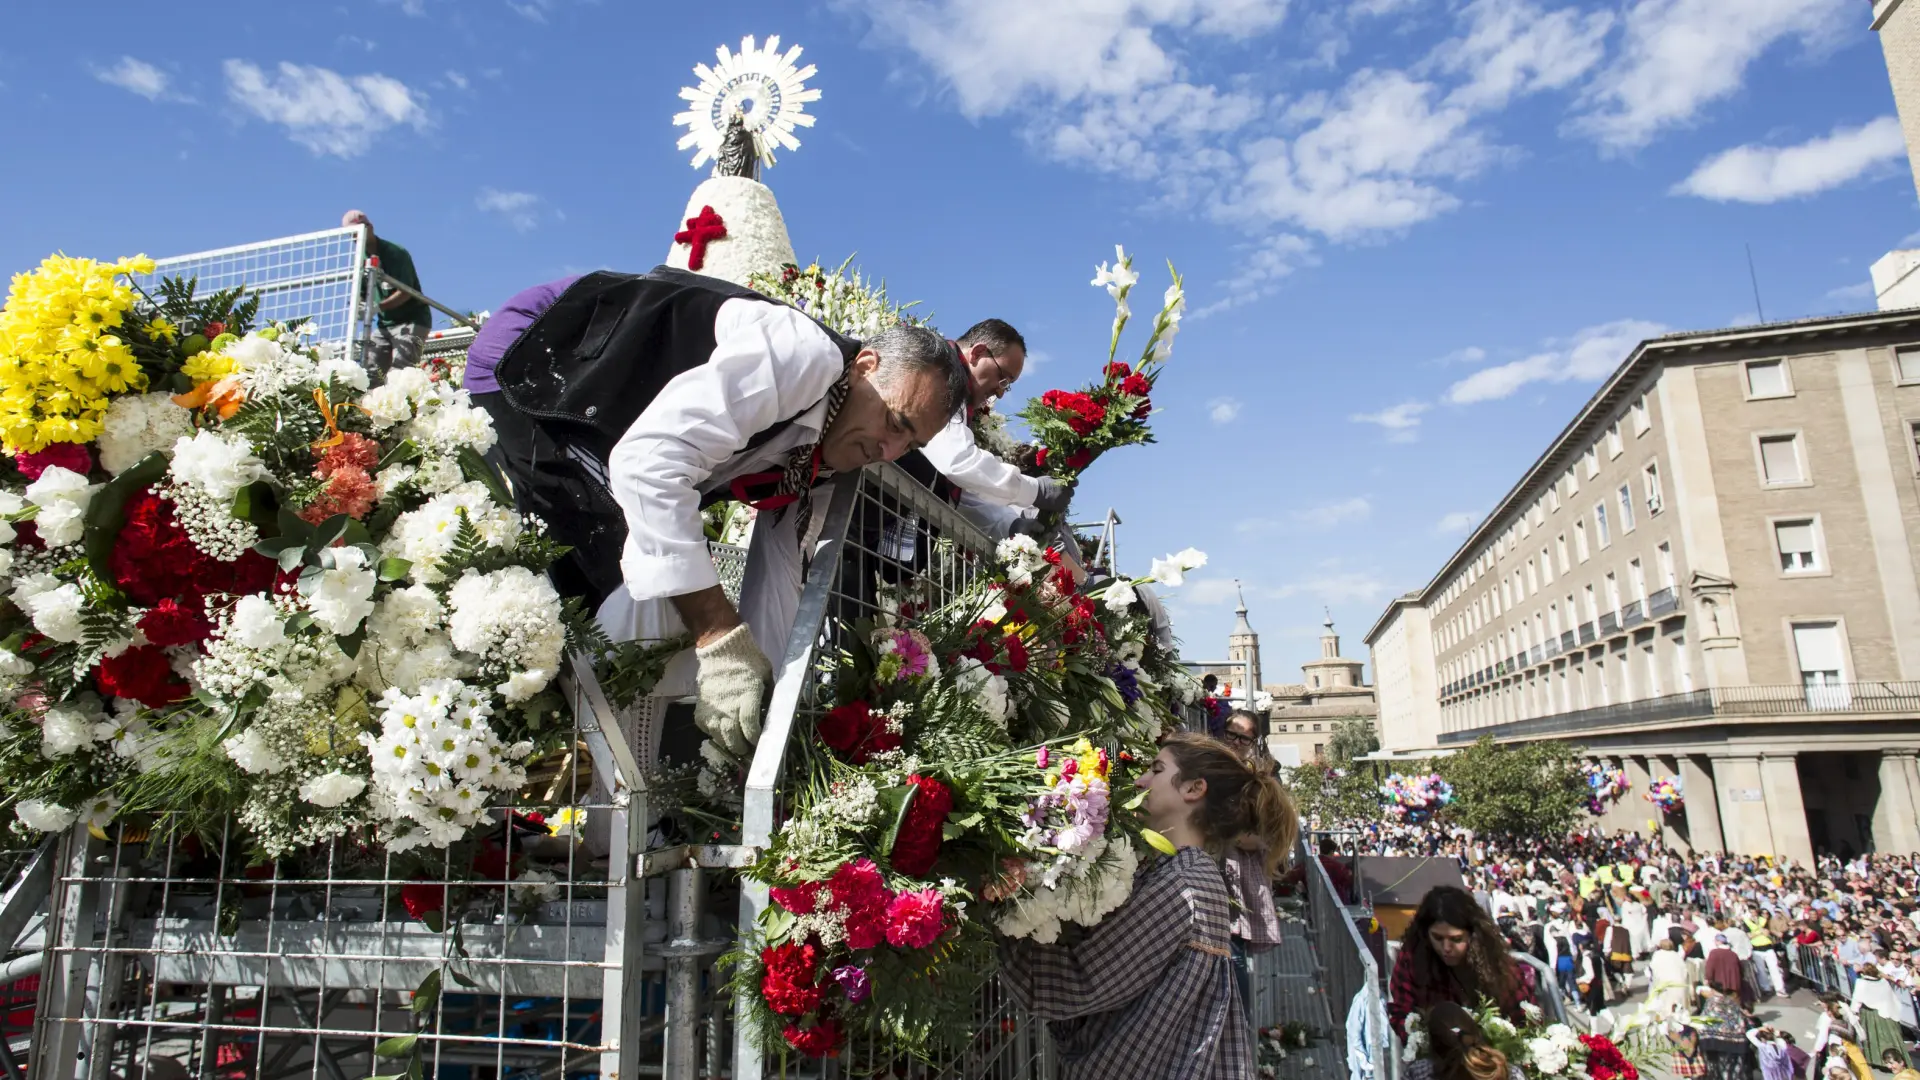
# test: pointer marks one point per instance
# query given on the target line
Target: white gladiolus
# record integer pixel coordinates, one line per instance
(1119, 597)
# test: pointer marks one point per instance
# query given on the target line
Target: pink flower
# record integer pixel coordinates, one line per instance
(1040, 758)
(70, 456)
(915, 919)
(859, 890)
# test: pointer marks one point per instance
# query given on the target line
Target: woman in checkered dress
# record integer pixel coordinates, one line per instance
(1149, 993)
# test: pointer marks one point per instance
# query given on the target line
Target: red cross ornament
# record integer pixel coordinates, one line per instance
(701, 231)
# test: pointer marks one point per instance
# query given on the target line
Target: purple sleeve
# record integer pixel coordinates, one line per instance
(503, 328)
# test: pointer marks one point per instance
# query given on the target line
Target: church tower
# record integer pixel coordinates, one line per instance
(1332, 672)
(1244, 644)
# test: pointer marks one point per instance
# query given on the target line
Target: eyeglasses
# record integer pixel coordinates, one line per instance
(1002, 383)
(1235, 736)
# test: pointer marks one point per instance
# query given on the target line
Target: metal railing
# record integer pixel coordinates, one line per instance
(1729, 701)
(1349, 967)
(317, 276)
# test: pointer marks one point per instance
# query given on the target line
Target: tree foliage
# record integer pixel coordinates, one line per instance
(1353, 736)
(1527, 788)
(1333, 795)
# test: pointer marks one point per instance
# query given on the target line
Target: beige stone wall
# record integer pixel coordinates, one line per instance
(1898, 22)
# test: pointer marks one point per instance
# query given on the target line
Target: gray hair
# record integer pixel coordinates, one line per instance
(906, 350)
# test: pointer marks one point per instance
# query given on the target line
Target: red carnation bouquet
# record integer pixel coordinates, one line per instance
(1073, 427)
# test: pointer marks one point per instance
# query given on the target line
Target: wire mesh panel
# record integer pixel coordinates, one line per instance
(520, 952)
(882, 529)
(316, 276)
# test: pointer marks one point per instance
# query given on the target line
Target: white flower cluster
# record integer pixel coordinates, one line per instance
(250, 646)
(138, 424)
(510, 618)
(209, 522)
(55, 608)
(1023, 558)
(1173, 305)
(67, 728)
(434, 415)
(266, 366)
(988, 689)
(1551, 1052)
(848, 809)
(407, 643)
(218, 465)
(1080, 888)
(342, 593)
(425, 535)
(435, 762)
(62, 496)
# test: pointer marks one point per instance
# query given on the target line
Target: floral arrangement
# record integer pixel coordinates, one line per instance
(840, 298)
(1664, 793)
(1540, 1048)
(278, 593)
(1606, 785)
(1073, 427)
(1414, 799)
(961, 788)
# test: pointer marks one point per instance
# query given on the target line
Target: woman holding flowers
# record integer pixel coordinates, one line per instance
(1149, 993)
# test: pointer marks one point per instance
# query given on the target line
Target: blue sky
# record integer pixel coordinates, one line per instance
(1416, 232)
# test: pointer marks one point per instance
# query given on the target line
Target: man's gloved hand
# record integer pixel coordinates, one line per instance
(1027, 526)
(733, 681)
(1054, 496)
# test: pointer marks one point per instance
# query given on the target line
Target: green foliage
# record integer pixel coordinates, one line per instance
(1525, 788)
(1333, 794)
(1353, 736)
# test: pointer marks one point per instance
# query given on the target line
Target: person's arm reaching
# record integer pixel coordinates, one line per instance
(956, 455)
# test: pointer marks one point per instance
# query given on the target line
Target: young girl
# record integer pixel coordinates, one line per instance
(1149, 993)
(1460, 1050)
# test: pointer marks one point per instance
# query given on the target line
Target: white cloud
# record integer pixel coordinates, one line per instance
(1767, 174)
(1852, 294)
(1334, 588)
(1310, 519)
(1457, 522)
(1513, 47)
(135, 76)
(1682, 55)
(1590, 355)
(1472, 354)
(1223, 410)
(1204, 592)
(458, 81)
(521, 209)
(322, 110)
(1401, 422)
(1270, 262)
(415, 8)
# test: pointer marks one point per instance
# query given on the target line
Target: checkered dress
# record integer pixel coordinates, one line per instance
(1149, 993)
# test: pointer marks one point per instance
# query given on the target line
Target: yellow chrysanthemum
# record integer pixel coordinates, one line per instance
(59, 357)
(208, 366)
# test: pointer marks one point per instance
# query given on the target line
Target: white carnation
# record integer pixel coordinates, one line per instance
(61, 523)
(44, 816)
(62, 496)
(64, 730)
(257, 624)
(342, 596)
(57, 612)
(332, 789)
(138, 424)
(991, 690)
(386, 406)
(512, 618)
(249, 750)
(341, 370)
(216, 464)
(12, 663)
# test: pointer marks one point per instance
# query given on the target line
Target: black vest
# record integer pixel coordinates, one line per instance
(594, 360)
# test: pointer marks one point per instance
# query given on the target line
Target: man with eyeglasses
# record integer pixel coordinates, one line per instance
(995, 356)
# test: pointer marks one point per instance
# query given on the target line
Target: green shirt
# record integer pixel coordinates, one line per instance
(398, 264)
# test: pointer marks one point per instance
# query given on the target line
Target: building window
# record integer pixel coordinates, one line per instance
(1601, 531)
(1593, 611)
(1553, 499)
(1546, 567)
(1665, 564)
(1614, 445)
(1780, 460)
(1560, 545)
(1316, 727)
(1593, 462)
(1613, 593)
(1316, 682)
(1768, 379)
(1817, 648)
(1906, 363)
(1573, 483)
(1682, 671)
(1797, 544)
(1319, 750)
(1656, 499)
(1580, 539)
(1626, 508)
(1642, 423)
(1533, 577)
(1638, 578)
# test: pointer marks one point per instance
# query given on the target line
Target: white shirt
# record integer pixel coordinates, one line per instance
(953, 451)
(769, 362)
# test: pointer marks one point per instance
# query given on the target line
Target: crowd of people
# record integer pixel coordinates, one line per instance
(1696, 940)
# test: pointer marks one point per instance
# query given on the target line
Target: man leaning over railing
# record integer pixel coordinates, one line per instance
(404, 318)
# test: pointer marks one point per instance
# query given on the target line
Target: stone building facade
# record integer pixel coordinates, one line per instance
(1898, 24)
(1303, 716)
(1710, 574)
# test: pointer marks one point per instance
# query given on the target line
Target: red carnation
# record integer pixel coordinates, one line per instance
(1016, 652)
(349, 491)
(856, 731)
(173, 623)
(1085, 414)
(1079, 459)
(915, 919)
(142, 673)
(70, 456)
(918, 843)
(1121, 371)
(860, 891)
(800, 899)
(1040, 458)
(1136, 386)
(788, 984)
(352, 451)
(822, 1039)
(422, 899)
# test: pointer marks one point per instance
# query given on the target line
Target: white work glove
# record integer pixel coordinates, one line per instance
(733, 680)
(1054, 496)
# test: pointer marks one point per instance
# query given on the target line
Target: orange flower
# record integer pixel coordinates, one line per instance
(224, 396)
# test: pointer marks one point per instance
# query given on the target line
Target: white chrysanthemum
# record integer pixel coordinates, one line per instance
(424, 536)
(99, 810)
(64, 730)
(57, 612)
(342, 596)
(453, 425)
(219, 465)
(332, 789)
(43, 815)
(138, 424)
(257, 624)
(250, 751)
(436, 762)
(510, 617)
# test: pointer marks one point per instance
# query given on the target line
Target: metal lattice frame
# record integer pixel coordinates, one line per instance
(881, 527)
(316, 276)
